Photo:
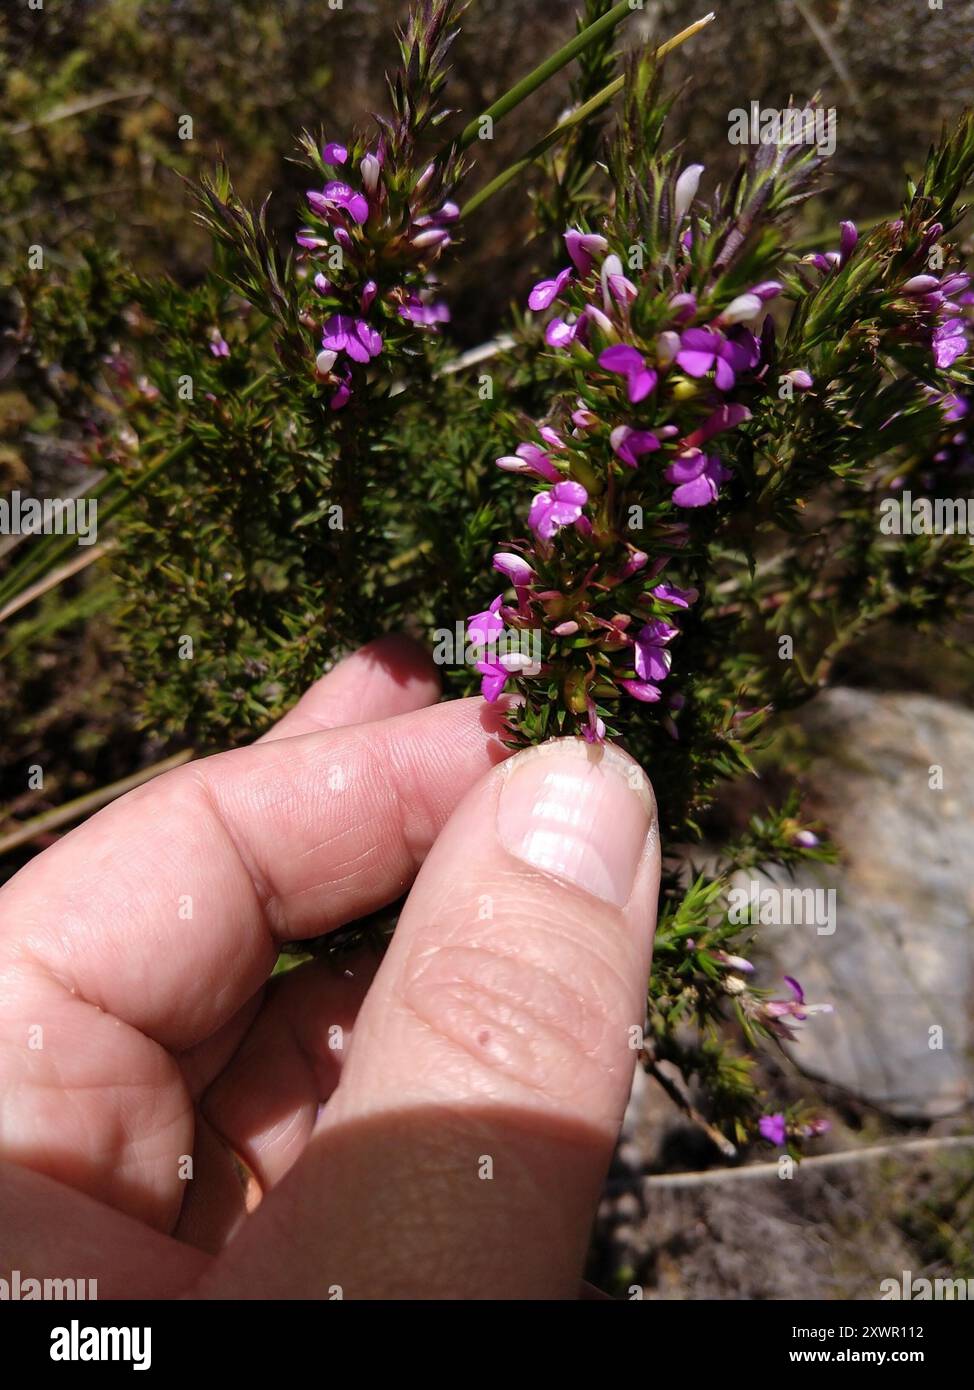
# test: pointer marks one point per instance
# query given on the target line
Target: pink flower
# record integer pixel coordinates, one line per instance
(425, 315)
(530, 458)
(642, 690)
(582, 246)
(629, 445)
(626, 361)
(773, 1128)
(725, 417)
(949, 342)
(669, 593)
(343, 333)
(546, 292)
(339, 195)
(778, 1013)
(341, 396)
(218, 344)
(483, 627)
(333, 153)
(561, 332)
(615, 285)
(652, 658)
(705, 349)
(698, 476)
(518, 571)
(561, 506)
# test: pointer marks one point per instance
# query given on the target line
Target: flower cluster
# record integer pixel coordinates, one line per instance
(931, 304)
(367, 250)
(666, 370)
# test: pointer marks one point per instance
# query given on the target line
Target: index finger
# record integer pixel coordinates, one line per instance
(167, 909)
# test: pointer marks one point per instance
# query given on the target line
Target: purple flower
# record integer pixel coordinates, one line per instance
(530, 458)
(629, 445)
(518, 571)
(356, 337)
(921, 284)
(652, 660)
(949, 342)
(582, 417)
(833, 260)
(807, 839)
(218, 344)
(333, 153)
(848, 236)
(341, 396)
(705, 349)
(725, 417)
(495, 676)
(733, 962)
(593, 730)
(582, 246)
(551, 437)
(560, 332)
(642, 690)
(426, 315)
(340, 195)
(561, 506)
(778, 1013)
(683, 307)
(546, 292)
(309, 239)
(626, 361)
(483, 627)
(614, 283)
(773, 1128)
(669, 593)
(435, 238)
(698, 477)
(767, 289)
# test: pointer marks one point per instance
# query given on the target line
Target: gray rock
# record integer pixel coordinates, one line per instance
(899, 964)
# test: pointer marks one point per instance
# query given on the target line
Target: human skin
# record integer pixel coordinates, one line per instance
(434, 1125)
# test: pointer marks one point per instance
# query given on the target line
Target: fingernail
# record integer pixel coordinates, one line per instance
(580, 812)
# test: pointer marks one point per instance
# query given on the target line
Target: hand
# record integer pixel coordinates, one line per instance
(454, 1144)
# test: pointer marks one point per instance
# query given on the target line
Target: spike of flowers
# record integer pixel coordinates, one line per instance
(655, 400)
(377, 227)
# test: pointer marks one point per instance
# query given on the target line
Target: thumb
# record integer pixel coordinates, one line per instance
(463, 1152)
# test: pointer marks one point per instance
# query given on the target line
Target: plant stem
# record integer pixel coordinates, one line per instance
(579, 115)
(523, 89)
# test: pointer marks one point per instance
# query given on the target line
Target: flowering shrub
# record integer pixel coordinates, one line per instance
(676, 463)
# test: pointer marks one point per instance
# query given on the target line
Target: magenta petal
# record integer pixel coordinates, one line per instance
(724, 375)
(698, 493)
(640, 384)
(642, 690)
(685, 469)
(358, 206)
(695, 363)
(570, 492)
(494, 680)
(621, 358)
(795, 988)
